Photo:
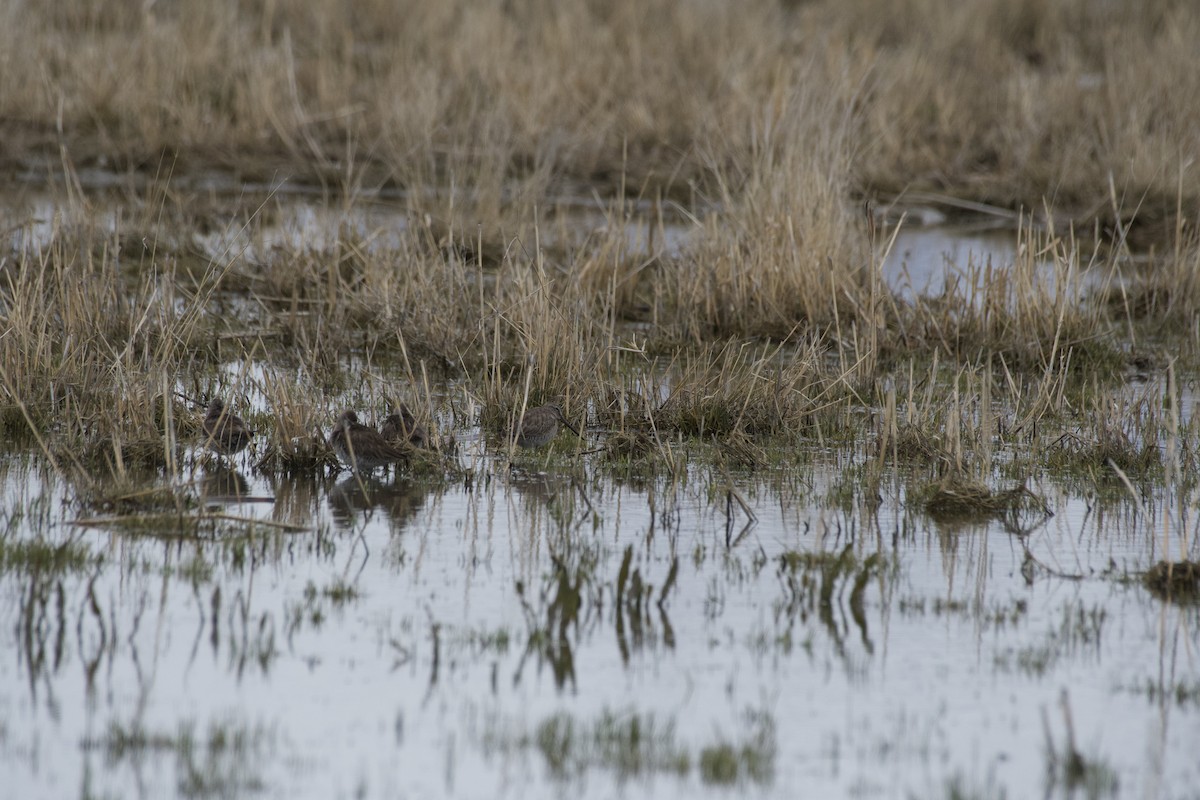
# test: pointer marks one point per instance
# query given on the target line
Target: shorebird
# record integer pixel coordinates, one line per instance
(402, 426)
(363, 448)
(539, 426)
(225, 432)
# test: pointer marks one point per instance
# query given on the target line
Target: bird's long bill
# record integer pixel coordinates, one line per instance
(570, 427)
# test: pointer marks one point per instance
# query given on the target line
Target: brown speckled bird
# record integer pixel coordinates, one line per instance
(539, 426)
(402, 426)
(225, 432)
(363, 448)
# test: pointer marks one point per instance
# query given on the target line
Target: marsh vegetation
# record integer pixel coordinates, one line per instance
(844, 517)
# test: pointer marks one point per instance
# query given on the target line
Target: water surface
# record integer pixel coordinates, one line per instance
(417, 642)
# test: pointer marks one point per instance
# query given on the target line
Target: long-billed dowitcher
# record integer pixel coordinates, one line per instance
(539, 426)
(363, 448)
(402, 426)
(225, 432)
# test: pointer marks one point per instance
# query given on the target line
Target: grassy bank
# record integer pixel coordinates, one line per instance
(760, 128)
(1088, 108)
(112, 318)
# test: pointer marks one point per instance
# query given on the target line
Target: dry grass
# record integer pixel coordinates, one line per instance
(1068, 101)
(958, 499)
(1163, 290)
(92, 344)
(498, 98)
(760, 124)
(1016, 102)
(1037, 314)
(96, 343)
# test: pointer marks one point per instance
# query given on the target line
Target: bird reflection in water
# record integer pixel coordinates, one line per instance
(540, 488)
(297, 498)
(354, 497)
(222, 484)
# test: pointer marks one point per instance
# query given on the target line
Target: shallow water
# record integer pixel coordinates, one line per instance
(411, 642)
(922, 255)
(926, 248)
(331, 638)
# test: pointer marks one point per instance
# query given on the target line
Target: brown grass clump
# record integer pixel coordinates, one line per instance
(1033, 314)
(738, 449)
(1012, 103)
(1123, 437)
(758, 390)
(629, 445)
(916, 445)
(1112, 455)
(523, 254)
(959, 498)
(785, 250)
(956, 497)
(1162, 290)
(91, 347)
(537, 345)
(300, 454)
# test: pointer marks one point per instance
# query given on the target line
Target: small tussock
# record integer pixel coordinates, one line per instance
(737, 449)
(1178, 581)
(1110, 455)
(1166, 294)
(698, 414)
(302, 454)
(483, 247)
(13, 426)
(430, 463)
(619, 407)
(312, 454)
(628, 744)
(916, 446)
(123, 430)
(826, 562)
(116, 455)
(634, 444)
(1029, 314)
(958, 498)
(725, 764)
(222, 761)
(757, 390)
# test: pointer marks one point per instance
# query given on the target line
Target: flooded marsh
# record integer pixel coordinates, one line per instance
(803, 618)
(511, 637)
(641, 399)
